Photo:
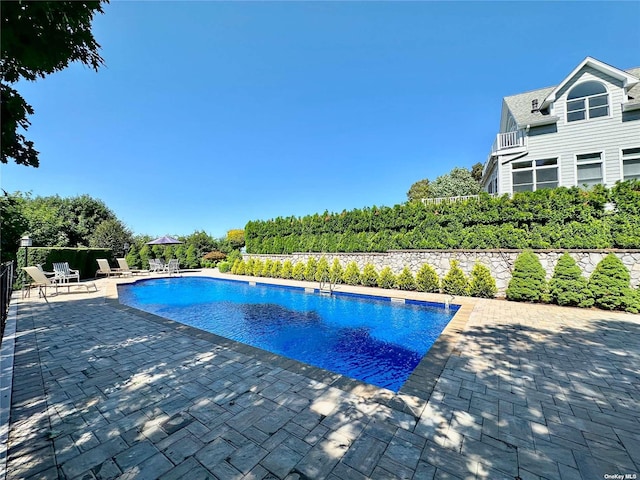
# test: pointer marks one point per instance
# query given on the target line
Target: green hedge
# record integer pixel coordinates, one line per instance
(83, 259)
(551, 218)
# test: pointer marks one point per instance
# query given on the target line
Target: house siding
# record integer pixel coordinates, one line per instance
(608, 135)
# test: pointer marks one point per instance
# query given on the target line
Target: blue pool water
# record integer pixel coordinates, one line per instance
(372, 340)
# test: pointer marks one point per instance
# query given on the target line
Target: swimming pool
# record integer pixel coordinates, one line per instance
(366, 338)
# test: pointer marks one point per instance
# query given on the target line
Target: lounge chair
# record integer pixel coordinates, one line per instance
(173, 266)
(64, 274)
(155, 265)
(124, 267)
(105, 268)
(41, 281)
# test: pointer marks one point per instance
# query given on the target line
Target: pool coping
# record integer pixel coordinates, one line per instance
(412, 396)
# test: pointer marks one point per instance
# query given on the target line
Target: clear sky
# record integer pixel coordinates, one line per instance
(211, 114)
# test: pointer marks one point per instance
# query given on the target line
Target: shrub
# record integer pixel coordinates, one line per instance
(287, 269)
(257, 267)
(482, 284)
(567, 285)
(248, 266)
(528, 282)
(224, 267)
(386, 279)
(310, 269)
(369, 276)
(351, 274)
(609, 284)
(276, 267)
(266, 268)
(240, 270)
(427, 279)
(298, 271)
(336, 272)
(234, 268)
(322, 270)
(214, 256)
(455, 282)
(405, 280)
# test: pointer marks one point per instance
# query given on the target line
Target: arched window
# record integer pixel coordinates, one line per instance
(587, 100)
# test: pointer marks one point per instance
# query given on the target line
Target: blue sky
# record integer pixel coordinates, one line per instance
(211, 114)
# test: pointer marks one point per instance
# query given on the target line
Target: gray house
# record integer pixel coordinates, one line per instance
(584, 131)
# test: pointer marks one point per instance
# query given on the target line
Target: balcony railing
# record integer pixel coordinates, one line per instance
(505, 141)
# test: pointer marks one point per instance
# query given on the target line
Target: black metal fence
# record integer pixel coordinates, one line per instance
(6, 288)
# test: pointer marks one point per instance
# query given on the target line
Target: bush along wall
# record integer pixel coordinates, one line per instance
(565, 218)
(426, 280)
(83, 259)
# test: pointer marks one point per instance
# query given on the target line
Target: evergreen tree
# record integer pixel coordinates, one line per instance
(351, 274)
(455, 282)
(276, 268)
(482, 283)
(266, 268)
(322, 270)
(369, 276)
(133, 257)
(310, 269)
(610, 285)
(427, 279)
(528, 282)
(405, 280)
(287, 269)
(567, 285)
(298, 271)
(386, 279)
(335, 272)
(257, 267)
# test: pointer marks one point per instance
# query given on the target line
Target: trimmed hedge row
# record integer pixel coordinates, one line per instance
(550, 218)
(83, 259)
(455, 282)
(607, 288)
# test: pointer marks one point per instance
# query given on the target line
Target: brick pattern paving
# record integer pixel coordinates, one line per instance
(527, 392)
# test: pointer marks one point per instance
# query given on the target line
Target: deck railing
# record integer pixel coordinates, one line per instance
(462, 198)
(6, 288)
(508, 140)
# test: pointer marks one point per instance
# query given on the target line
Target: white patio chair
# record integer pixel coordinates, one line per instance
(155, 265)
(173, 266)
(64, 274)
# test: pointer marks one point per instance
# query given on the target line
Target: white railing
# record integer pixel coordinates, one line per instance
(508, 140)
(438, 201)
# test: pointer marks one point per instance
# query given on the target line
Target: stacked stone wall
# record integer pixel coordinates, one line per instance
(500, 262)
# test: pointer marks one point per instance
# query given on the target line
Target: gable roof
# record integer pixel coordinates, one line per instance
(626, 79)
(520, 105)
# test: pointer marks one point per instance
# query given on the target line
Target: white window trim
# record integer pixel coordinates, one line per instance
(601, 161)
(533, 168)
(587, 117)
(622, 159)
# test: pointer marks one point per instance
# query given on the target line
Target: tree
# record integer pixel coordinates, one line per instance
(427, 279)
(13, 223)
(476, 171)
(419, 190)
(456, 183)
(455, 282)
(528, 282)
(37, 39)
(482, 284)
(111, 234)
(567, 285)
(610, 285)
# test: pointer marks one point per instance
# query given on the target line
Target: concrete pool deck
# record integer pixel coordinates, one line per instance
(509, 391)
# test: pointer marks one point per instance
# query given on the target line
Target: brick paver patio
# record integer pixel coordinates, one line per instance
(526, 392)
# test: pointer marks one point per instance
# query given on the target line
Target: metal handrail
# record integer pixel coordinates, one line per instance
(6, 289)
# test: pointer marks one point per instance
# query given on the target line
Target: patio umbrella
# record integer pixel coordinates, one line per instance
(164, 241)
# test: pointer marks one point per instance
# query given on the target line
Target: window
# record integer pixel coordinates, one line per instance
(589, 169)
(631, 163)
(535, 175)
(587, 100)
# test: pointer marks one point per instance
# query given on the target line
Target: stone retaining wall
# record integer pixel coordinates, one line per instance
(500, 262)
